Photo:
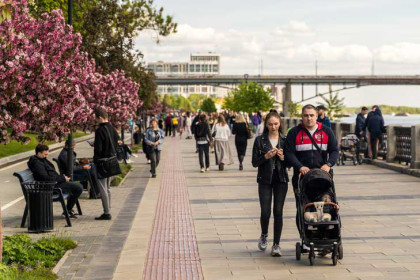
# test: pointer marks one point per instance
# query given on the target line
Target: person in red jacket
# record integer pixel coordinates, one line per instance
(310, 145)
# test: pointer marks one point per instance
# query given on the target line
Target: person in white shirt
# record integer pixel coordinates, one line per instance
(221, 133)
(188, 122)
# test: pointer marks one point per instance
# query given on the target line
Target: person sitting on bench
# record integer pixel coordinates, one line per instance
(44, 171)
(79, 170)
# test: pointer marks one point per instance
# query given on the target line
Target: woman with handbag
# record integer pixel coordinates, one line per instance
(272, 178)
(241, 131)
(203, 137)
(221, 133)
(153, 139)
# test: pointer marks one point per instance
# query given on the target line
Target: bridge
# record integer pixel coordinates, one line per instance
(289, 80)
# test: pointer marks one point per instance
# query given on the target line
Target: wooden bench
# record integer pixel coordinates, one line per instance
(26, 176)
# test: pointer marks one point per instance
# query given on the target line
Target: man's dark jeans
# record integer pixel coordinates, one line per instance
(203, 149)
(74, 190)
(266, 192)
(374, 138)
(154, 157)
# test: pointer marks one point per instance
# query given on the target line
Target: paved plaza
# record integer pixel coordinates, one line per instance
(190, 225)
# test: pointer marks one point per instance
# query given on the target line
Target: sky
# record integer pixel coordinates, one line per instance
(344, 37)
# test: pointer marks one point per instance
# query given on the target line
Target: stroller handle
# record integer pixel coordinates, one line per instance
(336, 207)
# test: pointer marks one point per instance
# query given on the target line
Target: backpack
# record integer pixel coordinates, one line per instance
(174, 121)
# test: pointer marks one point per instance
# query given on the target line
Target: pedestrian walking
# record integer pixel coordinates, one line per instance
(174, 125)
(203, 138)
(322, 117)
(221, 133)
(272, 178)
(168, 125)
(310, 145)
(188, 123)
(360, 131)
(106, 141)
(154, 139)
(376, 128)
(240, 130)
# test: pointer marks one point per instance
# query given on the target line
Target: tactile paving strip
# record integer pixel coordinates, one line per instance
(173, 252)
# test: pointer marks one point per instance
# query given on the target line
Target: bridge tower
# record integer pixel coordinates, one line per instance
(287, 97)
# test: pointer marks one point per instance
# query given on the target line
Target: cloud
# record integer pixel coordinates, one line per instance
(241, 51)
(399, 53)
(294, 28)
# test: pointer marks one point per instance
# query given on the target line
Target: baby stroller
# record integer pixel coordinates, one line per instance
(319, 236)
(348, 149)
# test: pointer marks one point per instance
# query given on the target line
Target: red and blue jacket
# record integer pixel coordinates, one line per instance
(300, 151)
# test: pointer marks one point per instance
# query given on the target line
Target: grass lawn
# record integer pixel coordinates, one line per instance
(15, 147)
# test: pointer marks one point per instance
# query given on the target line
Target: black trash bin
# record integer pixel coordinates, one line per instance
(40, 205)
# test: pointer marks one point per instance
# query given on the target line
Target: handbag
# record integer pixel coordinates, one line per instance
(248, 130)
(108, 167)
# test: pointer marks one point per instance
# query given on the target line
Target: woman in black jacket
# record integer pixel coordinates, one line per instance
(272, 178)
(203, 137)
(240, 129)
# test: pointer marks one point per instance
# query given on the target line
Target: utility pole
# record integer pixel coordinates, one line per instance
(70, 137)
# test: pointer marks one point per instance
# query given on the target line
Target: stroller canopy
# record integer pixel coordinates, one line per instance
(317, 182)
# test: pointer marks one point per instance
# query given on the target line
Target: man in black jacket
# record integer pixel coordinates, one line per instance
(360, 130)
(44, 171)
(104, 147)
(303, 154)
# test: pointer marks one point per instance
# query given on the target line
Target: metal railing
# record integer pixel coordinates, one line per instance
(403, 144)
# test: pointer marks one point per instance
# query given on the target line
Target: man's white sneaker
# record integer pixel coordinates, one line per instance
(275, 250)
(129, 161)
(148, 161)
(262, 243)
(202, 170)
(208, 169)
(134, 155)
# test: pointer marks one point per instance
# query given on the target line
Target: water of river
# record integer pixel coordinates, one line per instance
(403, 121)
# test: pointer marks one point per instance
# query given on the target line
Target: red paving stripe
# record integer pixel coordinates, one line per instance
(173, 251)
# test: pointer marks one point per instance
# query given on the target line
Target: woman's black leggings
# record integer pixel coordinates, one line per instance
(266, 192)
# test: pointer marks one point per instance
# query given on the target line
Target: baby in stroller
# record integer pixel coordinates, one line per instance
(319, 222)
(319, 211)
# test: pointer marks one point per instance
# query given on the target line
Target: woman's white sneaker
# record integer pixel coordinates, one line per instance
(275, 251)
(262, 243)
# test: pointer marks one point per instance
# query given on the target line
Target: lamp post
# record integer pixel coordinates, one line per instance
(70, 137)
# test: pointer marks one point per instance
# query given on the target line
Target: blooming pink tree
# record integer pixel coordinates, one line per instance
(115, 93)
(42, 72)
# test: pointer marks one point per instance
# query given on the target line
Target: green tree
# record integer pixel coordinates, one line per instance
(228, 102)
(196, 100)
(294, 109)
(208, 106)
(333, 103)
(251, 97)
(109, 27)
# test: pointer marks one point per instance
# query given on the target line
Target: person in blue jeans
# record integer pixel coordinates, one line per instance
(272, 178)
(153, 139)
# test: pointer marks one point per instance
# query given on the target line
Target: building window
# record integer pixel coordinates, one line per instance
(159, 68)
(174, 68)
(215, 68)
(191, 68)
(197, 68)
(205, 68)
(204, 89)
(191, 89)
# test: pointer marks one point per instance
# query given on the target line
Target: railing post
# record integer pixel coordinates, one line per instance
(391, 143)
(415, 147)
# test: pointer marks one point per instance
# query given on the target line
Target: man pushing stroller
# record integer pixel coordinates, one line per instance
(310, 145)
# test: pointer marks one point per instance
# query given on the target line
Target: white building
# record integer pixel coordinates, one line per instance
(202, 64)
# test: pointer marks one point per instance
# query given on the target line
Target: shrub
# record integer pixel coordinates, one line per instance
(19, 250)
(125, 168)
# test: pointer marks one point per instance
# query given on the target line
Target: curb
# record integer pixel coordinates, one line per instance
(6, 161)
(61, 261)
(397, 167)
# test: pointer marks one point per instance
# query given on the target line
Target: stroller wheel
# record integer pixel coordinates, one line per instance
(298, 251)
(340, 252)
(335, 254)
(312, 254)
